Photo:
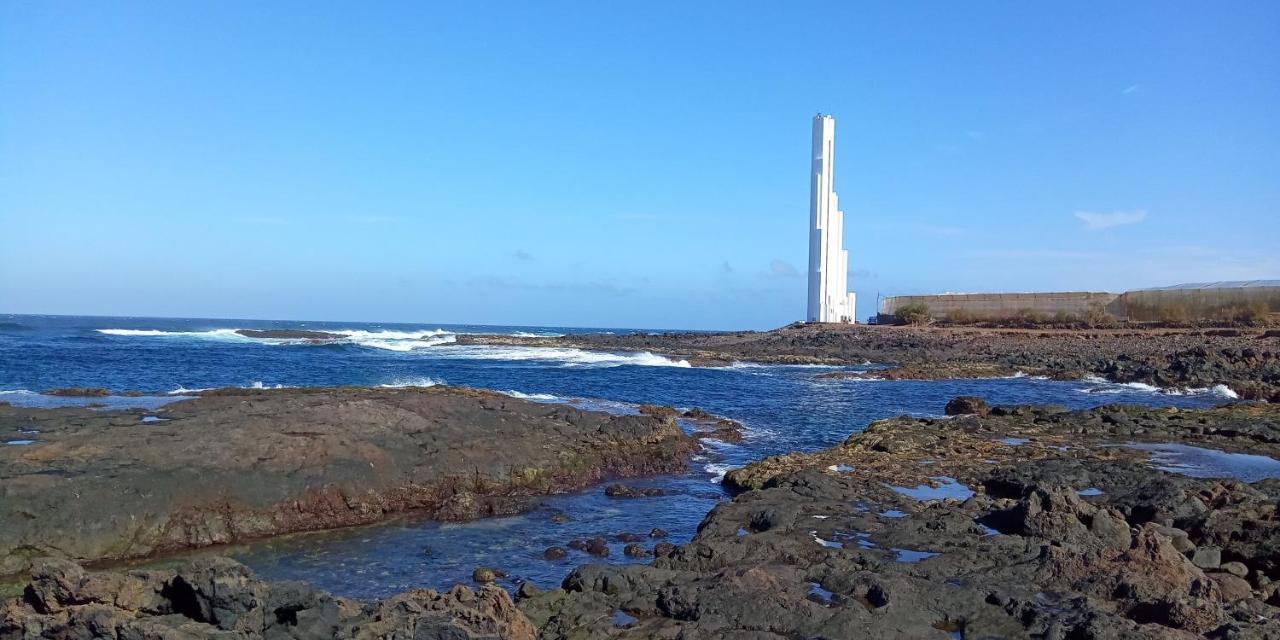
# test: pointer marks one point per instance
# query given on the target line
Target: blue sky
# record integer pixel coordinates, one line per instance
(637, 165)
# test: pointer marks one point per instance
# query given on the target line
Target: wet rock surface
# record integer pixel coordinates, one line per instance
(1245, 360)
(240, 464)
(1026, 523)
(219, 598)
(1029, 522)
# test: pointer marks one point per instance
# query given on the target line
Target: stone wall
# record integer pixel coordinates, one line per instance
(999, 306)
(1148, 305)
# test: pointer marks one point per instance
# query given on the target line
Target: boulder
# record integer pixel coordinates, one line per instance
(967, 405)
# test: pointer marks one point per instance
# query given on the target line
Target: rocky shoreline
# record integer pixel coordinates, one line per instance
(1023, 523)
(1005, 522)
(239, 464)
(1247, 360)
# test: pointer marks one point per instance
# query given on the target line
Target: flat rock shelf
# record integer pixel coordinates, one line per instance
(239, 464)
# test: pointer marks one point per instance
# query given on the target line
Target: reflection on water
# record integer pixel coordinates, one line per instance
(1210, 463)
(947, 488)
(372, 562)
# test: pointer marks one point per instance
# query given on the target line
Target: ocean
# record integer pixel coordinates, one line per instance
(783, 408)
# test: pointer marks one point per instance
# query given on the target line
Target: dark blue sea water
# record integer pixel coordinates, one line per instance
(785, 408)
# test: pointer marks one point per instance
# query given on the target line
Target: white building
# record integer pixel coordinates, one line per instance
(829, 297)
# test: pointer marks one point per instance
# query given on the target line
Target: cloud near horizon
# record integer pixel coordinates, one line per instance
(782, 269)
(1098, 221)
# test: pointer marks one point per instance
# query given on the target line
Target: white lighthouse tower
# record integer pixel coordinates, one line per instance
(829, 297)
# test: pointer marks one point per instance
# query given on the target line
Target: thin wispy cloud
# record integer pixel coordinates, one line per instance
(1131, 89)
(1098, 221)
(782, 269)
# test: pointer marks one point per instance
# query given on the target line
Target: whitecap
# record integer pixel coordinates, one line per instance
(388, 340)
(565, 356)
(403, 344)
(1101, 385)
(401, 383)
(182, 391)
(544, 397)
(221, 334)
(718, 470)
(260, 385)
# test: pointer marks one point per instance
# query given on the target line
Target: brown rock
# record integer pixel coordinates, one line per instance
(967, 405)
(1233, 587)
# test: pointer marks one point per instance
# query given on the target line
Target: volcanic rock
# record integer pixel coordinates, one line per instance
(246, 464)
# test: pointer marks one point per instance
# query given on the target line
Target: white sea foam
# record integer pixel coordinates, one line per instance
(1224, 391)
(544, 397)
(718, 470)
(388, 340)
(260, 385)
(1103, 386)
(402, 344)
(212, 333)
(568, 357)
(401, 383)
(182, 391)
(408, 341)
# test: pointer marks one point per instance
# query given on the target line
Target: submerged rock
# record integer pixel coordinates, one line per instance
(619, 490)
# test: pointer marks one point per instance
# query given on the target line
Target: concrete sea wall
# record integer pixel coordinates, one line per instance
(999, 306)
(1147, 305)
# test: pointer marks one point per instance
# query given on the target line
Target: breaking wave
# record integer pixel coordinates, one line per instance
(718, 470)
(213, 333)
(1100, 385)
(182, 391)
(388, 340)
(543, 397)
(567, 357)
(401, 383)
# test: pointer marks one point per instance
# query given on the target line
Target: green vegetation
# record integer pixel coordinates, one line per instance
(916, 313)
(1193, 312)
